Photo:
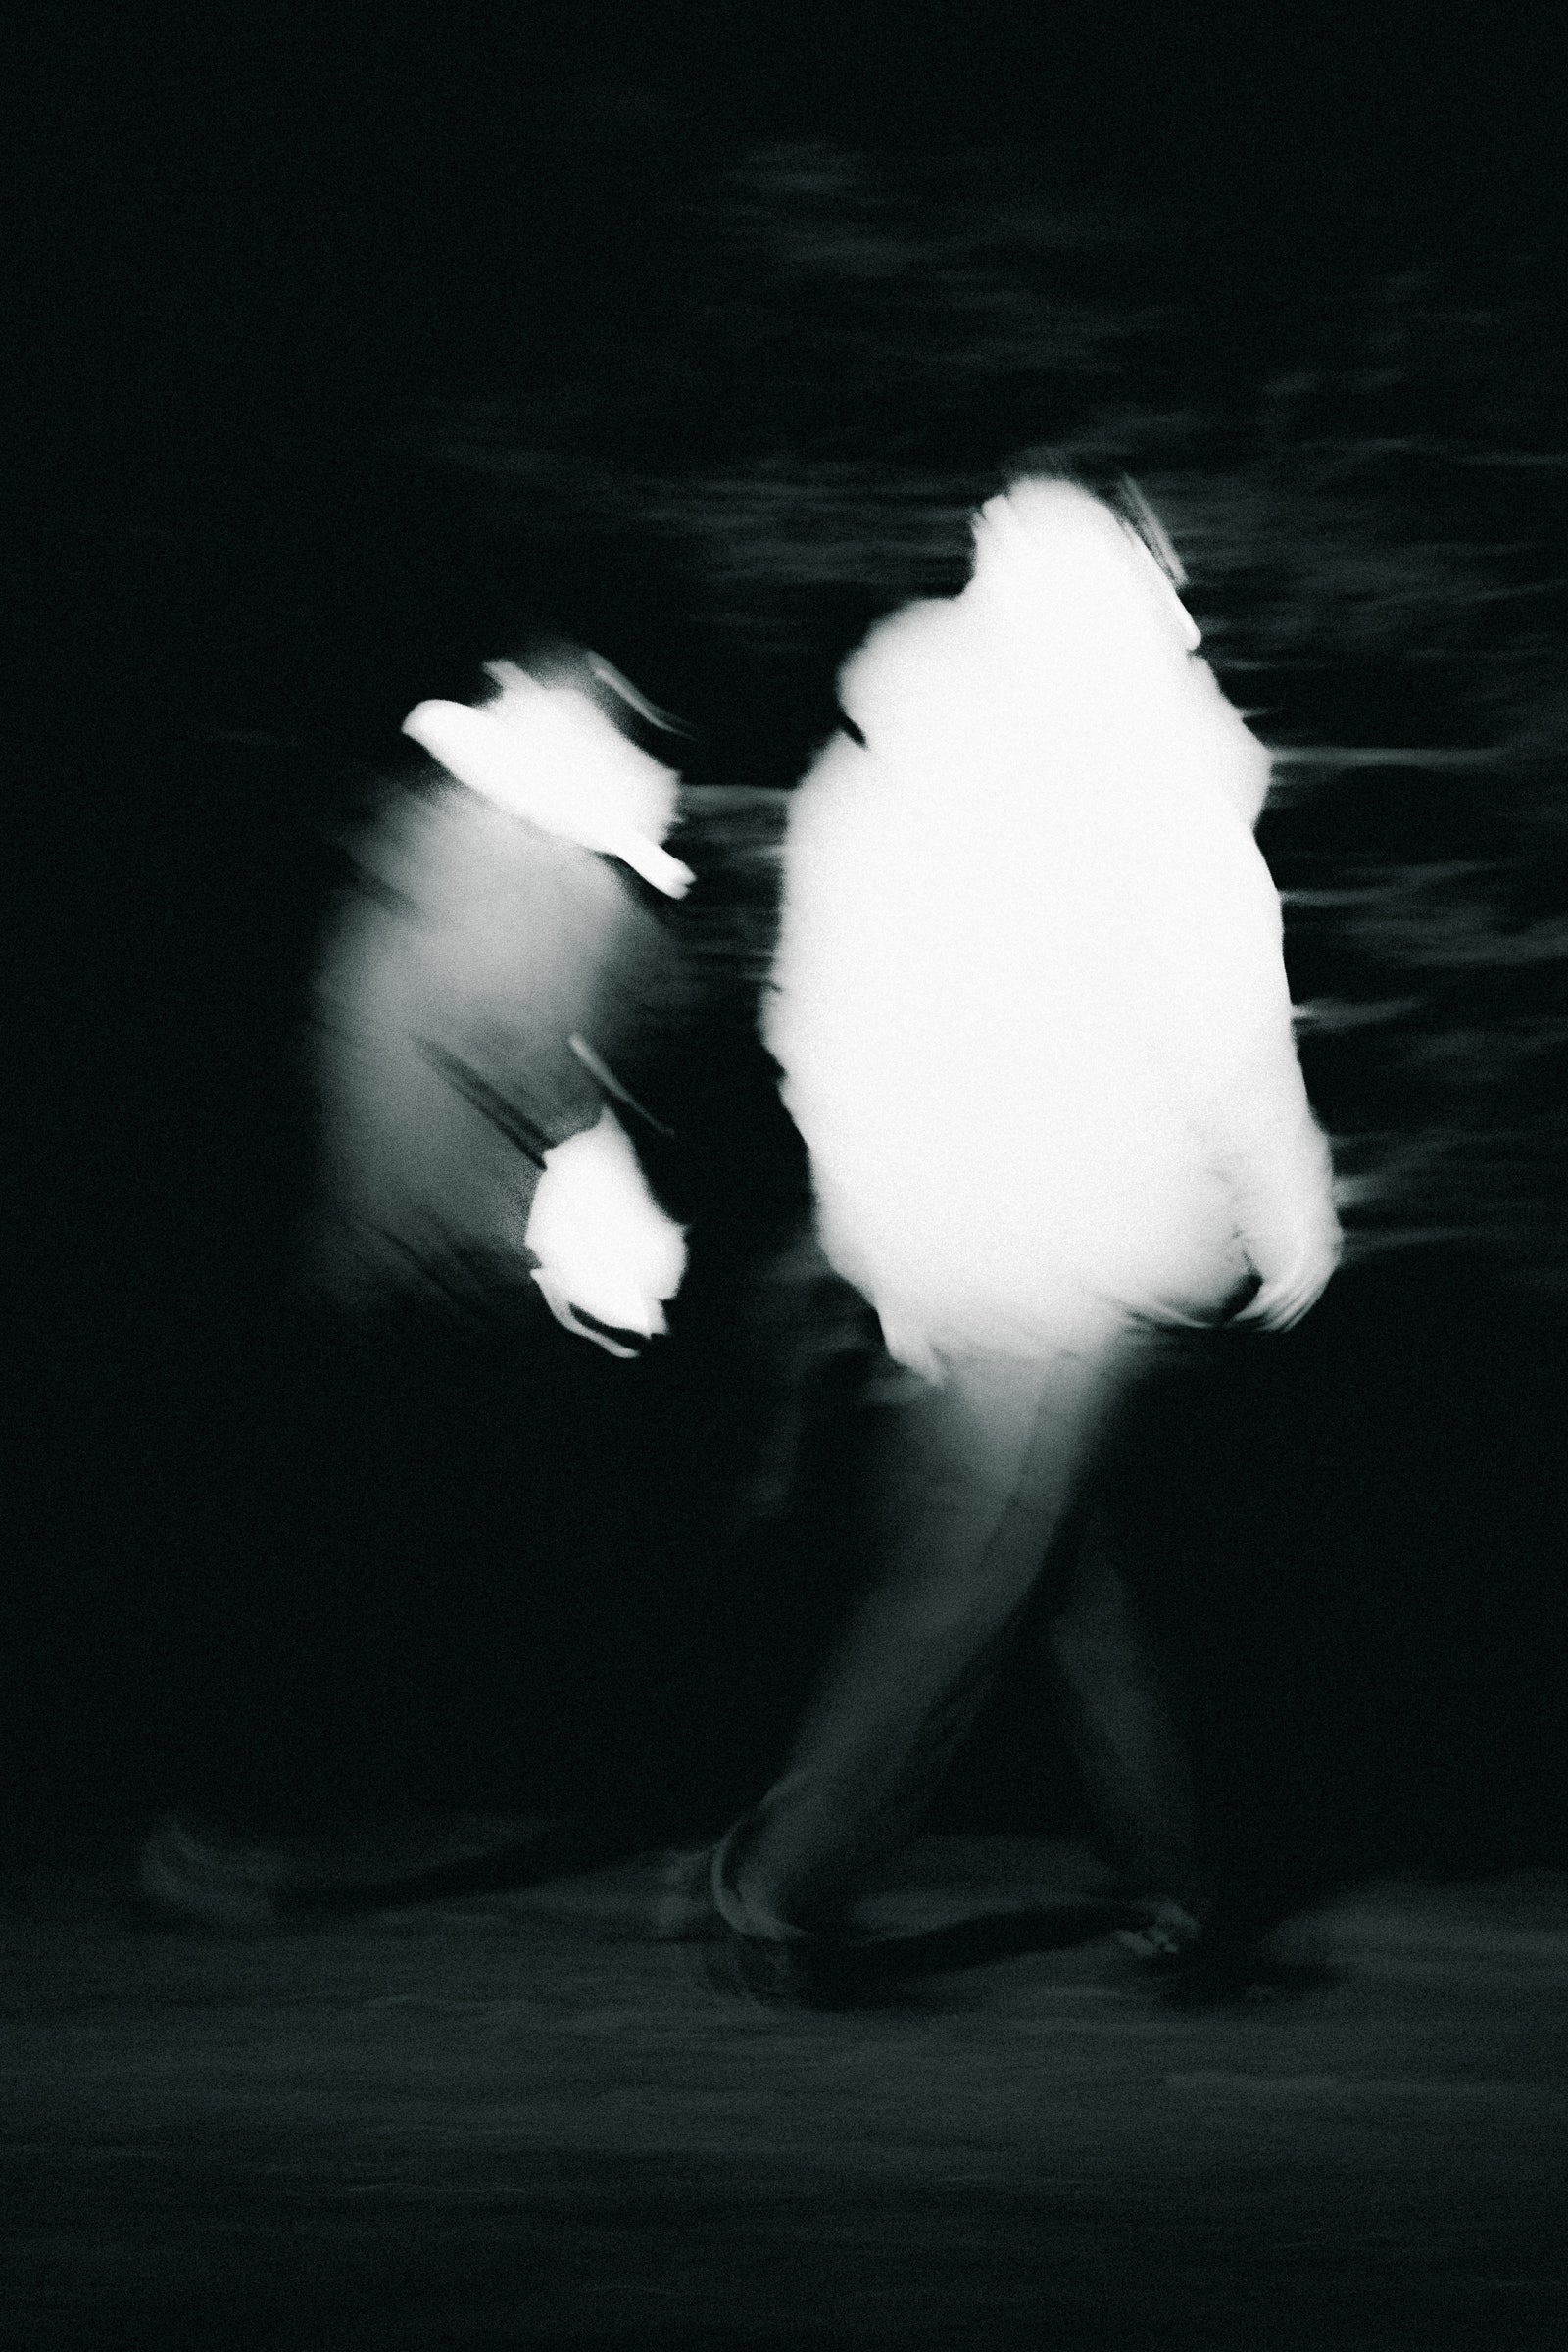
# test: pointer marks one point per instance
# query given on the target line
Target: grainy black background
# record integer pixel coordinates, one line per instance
(352, 352)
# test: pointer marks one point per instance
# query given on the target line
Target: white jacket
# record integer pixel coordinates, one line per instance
(1029, 996)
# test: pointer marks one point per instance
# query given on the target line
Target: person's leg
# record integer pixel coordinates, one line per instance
(1120, 1726)
(980, 1475)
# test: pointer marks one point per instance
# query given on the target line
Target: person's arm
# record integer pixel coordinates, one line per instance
(1277, 1163)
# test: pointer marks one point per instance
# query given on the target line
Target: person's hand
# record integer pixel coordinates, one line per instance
(1286, 1295)
(609, 1256)
(614, 1339)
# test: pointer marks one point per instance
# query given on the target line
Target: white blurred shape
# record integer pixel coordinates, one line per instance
(1029, 998)
(605, 1247)
(546, 754)
(1050, 548)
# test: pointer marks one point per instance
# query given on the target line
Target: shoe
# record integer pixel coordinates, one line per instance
(1220, 1954)
(809, 1974)
(684, 1909)
(1158, 1933)
(199, 1881)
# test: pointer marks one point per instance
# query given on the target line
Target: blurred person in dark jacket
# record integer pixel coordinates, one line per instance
(497, 981)
(499, 1001)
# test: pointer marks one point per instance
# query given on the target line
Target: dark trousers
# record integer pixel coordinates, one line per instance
(987, 1486)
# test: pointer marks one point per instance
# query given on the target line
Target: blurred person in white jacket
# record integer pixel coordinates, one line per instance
(1032, 1014)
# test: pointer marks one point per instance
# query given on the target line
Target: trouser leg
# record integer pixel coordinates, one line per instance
(1120, 1727)
(981, 1474)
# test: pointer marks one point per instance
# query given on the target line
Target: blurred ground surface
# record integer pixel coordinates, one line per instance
(512, 2120)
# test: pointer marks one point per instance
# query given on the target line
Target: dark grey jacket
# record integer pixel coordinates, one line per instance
(485, 989)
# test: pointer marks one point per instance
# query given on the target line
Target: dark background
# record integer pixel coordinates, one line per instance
(347, 357)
